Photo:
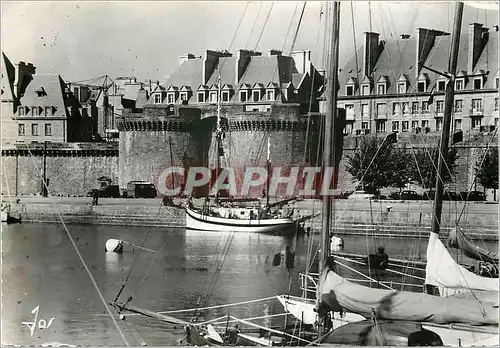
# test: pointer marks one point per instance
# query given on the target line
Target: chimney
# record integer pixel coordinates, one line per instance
(371, 52)
(23, 72)
(477, 41)
(242, 60)
(186, 57)
(405, 36)
(275, 53)
(210, 62)
(425, 42)
(302, 61)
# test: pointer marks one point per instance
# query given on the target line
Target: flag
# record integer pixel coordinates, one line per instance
(431, 98)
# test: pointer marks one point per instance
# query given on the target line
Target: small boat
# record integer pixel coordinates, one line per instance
(240, 216)
(6, 215)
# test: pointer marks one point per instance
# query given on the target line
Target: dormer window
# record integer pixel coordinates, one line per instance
(401, 87)
(21, 111)
(184, 96)
(48, 111)
(421, 86)
(243, 96)
(256, 96)
(158, 98)
(496, 82)
(381, 88)
(270, 95)
(201, 97)
(213, 96)
(225, 96)
(459, 84)
(349, 90)
(478, 83)
(34, 111)
(365, 89)
(441, 85)
(170, 98)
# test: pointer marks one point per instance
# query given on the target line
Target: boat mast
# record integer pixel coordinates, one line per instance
(218, 134)
(328, 153)
(448, 107)
(268, 169)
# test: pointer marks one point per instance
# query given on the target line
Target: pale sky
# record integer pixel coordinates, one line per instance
(83, 40)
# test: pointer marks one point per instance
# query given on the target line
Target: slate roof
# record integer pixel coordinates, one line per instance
(488, 61)
(8, 76)
(227, 70)
(53, 85)
(188, 73)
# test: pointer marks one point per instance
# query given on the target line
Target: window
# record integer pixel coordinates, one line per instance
(381, 109)
(395, 126)
(34, 111)
(157, 98)
(201, 97)
(496, 82)
(349, 111)
(350, 90)
(441, 85)
(402, 87)
(365, 90)
(243, 96)
(184, 96)
(364, 110)
(213, 97)
(170, 98)
(225, 96)
(478, 83)
(364, 125)
(425, 107)
(48, 111)
(439, 124)
(404, 126)
(415, 107)
(380, 126)
(256, 96)
(406, 107)
(476, 122)
(425, 123)
(381, 89)
(20, 129)
(477, 105)
(396, 108)
(440, 106)
(48, 129)
(421, 86)
(459, 105)
(495, 107)
(21, 111)
(458, 124)
(270, 95)
(459, 84)
(414, 124)
(34, 129)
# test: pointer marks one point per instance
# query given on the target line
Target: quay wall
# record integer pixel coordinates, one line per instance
(480, 220)
(71, 169)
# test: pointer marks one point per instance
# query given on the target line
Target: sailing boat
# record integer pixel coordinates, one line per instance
(398, 317)
(245, 214)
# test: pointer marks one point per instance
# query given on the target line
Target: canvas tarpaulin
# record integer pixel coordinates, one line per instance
(340, 294)
(442, 270)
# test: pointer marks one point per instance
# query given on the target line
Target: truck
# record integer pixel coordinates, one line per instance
(141, 189)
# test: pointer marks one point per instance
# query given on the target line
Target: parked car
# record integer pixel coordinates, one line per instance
(141, 189)
(447, 195)
(477, 196)
(110, 191)
(405, 195)
(361, 195)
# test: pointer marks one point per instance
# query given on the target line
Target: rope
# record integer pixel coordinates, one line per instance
(298, 27)
(264, 26)
(254, 23)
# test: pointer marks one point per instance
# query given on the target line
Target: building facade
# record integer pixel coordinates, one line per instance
(39, 108)
(386, 86)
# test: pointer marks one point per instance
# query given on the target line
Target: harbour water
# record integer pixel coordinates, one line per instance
(40, 269)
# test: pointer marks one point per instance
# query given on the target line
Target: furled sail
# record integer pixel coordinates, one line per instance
(443, 271)
(340, 294)
(457, 239)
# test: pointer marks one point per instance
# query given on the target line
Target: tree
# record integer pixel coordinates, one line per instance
(487, 171)
(370, 164)
(424, 169)
(400, 168)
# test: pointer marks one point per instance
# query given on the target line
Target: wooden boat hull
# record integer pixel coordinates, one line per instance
(202, 222)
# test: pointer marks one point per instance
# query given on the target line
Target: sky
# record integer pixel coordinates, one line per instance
(84, 40)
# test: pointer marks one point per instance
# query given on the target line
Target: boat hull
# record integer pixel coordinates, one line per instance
(201, 222)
